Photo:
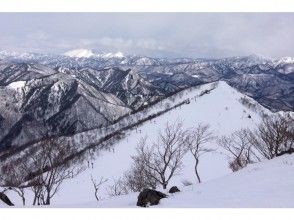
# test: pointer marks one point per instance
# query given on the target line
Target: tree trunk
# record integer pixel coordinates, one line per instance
(35, 200)
(23, 201)
(164, 185)
(47, 200)
(196, 171)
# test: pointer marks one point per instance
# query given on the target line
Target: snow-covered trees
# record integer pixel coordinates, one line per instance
(196, 139)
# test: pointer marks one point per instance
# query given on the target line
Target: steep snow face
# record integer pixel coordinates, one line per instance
(80, 53)
(221, 108)
(266, 184)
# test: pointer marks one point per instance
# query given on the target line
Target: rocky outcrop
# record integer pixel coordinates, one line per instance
(149, 197)
(174, 189)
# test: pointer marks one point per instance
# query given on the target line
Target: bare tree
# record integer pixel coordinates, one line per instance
(138, 177)
(163, 159)
(97, 186)
(274, 136)
(47, 169)
(196, 140)
(117, 188)
(20, 191)
(239, 149)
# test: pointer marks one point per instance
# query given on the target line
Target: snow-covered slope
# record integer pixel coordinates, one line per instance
(266, 184)
(221, 108)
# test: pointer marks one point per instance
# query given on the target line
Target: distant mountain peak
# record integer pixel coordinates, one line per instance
(80, 53)
(112, 55)
(86, 53)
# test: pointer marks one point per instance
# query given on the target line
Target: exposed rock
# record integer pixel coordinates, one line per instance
(5, 199)
(174, 189)
(289, 151)
(149, 197)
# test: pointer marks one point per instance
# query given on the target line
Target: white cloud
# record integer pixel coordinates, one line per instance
(167, 34)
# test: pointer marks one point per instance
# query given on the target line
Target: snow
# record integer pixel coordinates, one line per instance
(264, 185)
(268, 184)
(79, 53)
(85, 53)
(112, 55)
(221, 108)
(285, 60)
(17, 85)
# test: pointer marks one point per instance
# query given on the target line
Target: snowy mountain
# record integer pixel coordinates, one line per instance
(37, 101)
(43, 92)
(85, 53)
(222, 108)
(79, 53)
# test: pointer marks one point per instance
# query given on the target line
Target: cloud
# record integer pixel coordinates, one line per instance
(149, 44)
(156, 34)
(39, 36)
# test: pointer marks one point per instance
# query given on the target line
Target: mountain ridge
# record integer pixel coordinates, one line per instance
(112, 87)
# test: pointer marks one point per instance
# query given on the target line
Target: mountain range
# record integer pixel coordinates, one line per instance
(47, 94)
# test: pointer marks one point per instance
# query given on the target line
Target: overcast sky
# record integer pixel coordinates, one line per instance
(153, 34)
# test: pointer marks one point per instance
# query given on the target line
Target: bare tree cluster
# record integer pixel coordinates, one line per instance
(163, 159)
(157, 163)
(139, 177)
(274, 136)
(239, 149)
(42, 170)
(118, 188)
(45, 167)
